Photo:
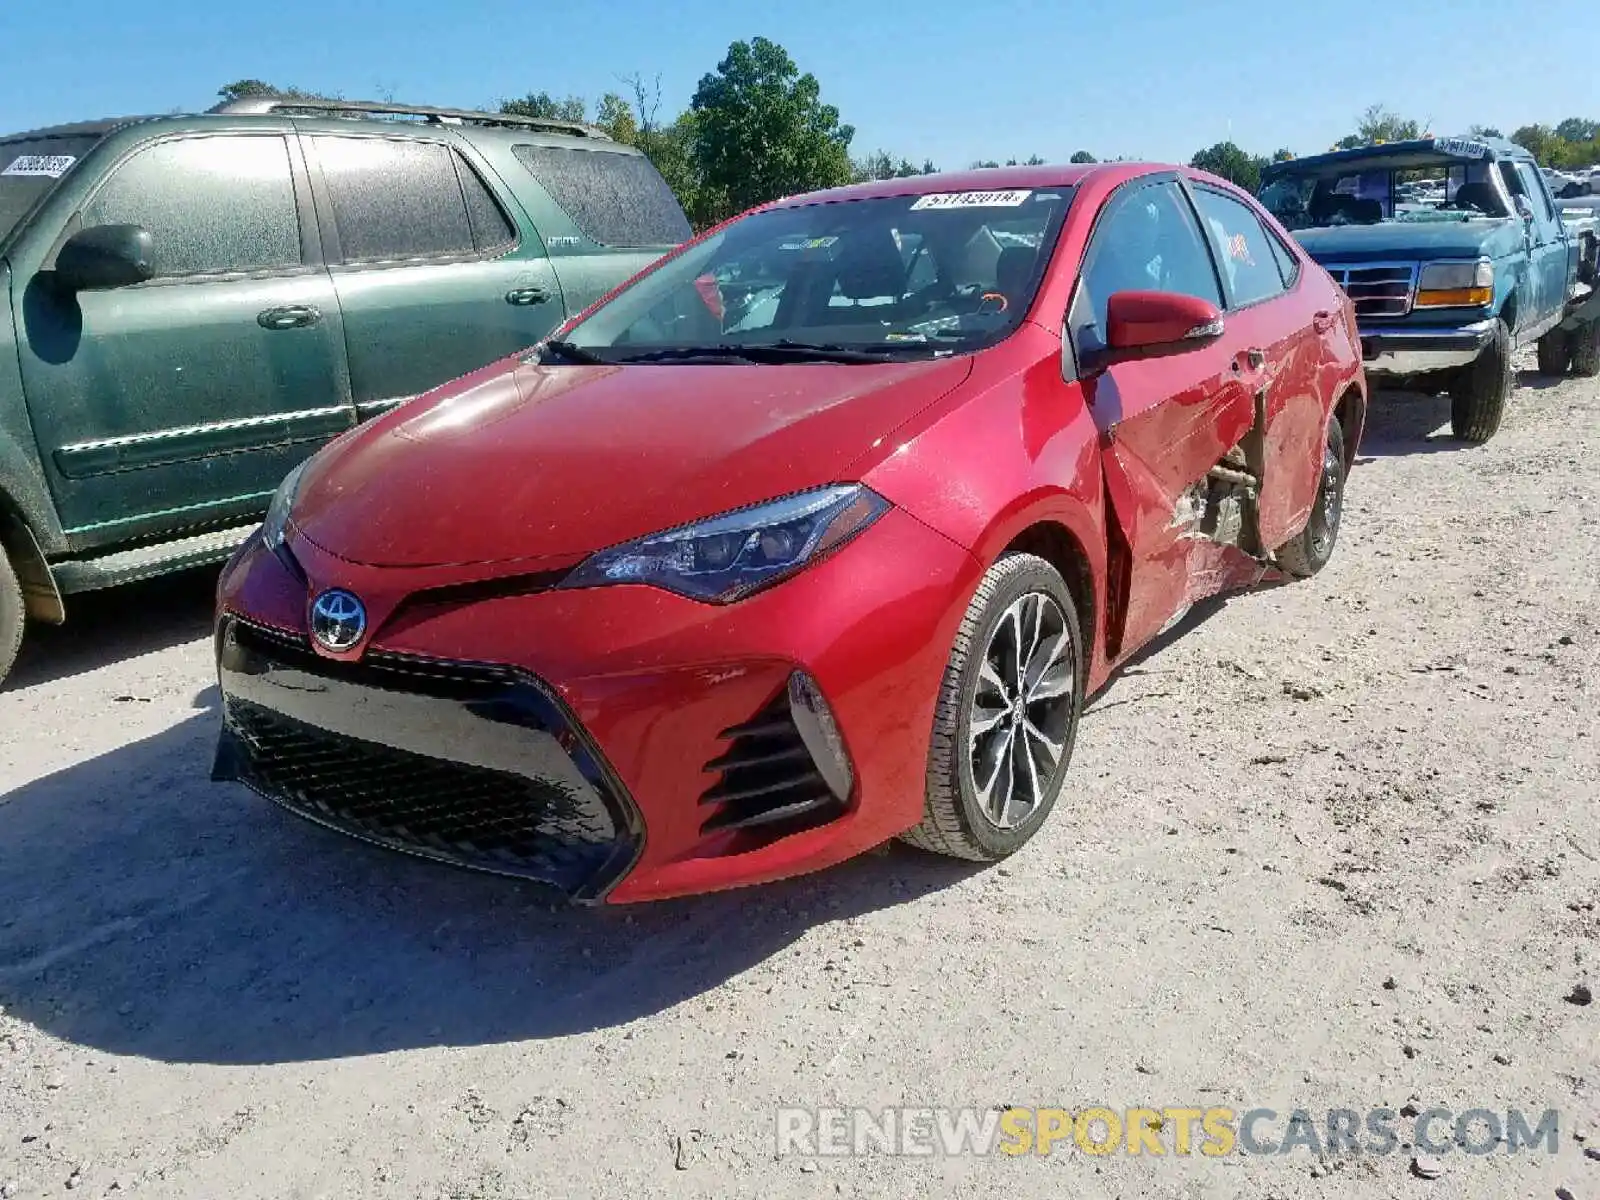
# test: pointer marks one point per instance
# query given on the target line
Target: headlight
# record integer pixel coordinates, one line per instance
(725, 558)
(277, 518)
(1455, 284)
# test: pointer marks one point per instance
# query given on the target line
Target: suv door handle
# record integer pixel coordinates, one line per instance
(1322, 321)
(1253, 358)
(289, 316)
(522, 297)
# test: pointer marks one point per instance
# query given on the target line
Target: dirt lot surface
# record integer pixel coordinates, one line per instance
(1334, 845)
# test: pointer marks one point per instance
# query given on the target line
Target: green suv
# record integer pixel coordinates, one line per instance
(198, 302)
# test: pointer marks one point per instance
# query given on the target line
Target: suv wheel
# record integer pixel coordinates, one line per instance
(11, 614)
(1478, 396)
(1007, 715)
(1555, 353)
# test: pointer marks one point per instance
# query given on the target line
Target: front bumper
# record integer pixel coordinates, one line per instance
(1399, 350)
(609, 741)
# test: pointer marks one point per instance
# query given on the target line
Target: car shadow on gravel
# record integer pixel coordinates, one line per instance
(146, 911)
(1400, 423)
(116, 624)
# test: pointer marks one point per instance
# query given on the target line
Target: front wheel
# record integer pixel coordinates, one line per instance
(11, 616)
(1555, 353)
(1308, 553)
(1586, 350)
(1007, 715)
(1478, 397)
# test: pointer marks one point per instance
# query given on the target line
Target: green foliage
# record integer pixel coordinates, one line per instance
(761, 130)
(1082, 156)
(1231, 163)
(247, 89)
(1564, 147)
(881, 165)
(543, 104)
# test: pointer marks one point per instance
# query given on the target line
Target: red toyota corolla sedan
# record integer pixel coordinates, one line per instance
(815, 534)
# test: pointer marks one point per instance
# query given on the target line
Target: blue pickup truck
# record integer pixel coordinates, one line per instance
(1455, 256)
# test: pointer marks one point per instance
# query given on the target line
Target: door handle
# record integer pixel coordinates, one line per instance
(1253, 358)
(522, 297)
(1322, 322)
(289, 316)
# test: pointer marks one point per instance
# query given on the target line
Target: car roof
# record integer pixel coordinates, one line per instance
(1423, 149)
(978, 179)
(95, 129)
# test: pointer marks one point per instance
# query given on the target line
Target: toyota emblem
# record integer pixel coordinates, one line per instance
(338, 620)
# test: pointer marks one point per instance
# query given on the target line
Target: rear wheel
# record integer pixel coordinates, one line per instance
(1479, 394)
(1585, 342)
(1308, 553)
(11, 615)
(1007, 714)
(1555, 353)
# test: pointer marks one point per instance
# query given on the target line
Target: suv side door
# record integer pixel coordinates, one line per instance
(434, 278)
(1164, 422)
(186, 398)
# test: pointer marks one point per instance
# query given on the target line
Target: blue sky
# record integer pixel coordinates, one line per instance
(953, 80)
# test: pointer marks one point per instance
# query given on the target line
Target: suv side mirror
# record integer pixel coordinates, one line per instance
(105, 256)
(1153, 325)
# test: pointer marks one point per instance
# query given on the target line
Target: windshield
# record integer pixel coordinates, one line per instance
(1367, 193)
(892, 277)
(30, 168)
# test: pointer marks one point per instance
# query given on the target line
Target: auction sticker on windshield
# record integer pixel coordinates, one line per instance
(1006, 199)
(51, 166)
(1460, 147)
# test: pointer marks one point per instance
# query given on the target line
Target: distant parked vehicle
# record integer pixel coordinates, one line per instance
(1445, 292)
(198, 302)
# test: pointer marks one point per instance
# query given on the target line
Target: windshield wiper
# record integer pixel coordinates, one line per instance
(784, 351)
(572, 353)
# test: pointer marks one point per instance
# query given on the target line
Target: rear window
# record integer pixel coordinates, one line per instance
(614, 199)
(30, 168)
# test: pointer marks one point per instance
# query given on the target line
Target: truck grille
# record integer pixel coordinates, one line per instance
(1378, 289)
(473, 764)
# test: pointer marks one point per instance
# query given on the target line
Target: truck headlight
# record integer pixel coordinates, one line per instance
(1456, 285)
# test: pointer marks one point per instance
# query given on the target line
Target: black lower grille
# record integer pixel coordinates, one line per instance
(768, 776)
(475, 765)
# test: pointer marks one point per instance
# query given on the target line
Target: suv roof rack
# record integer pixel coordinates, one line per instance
(262, 105)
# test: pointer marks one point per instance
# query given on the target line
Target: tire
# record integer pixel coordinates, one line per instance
(1555, 353)
(1309, 551)
(1586, 350)
(11, 616)
(1478, 399)
(1021, 600)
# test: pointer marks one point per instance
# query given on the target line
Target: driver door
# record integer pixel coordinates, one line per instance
(1163, 422)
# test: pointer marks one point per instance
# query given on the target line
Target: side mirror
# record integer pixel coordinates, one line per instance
(1153, 325)
(105, 256)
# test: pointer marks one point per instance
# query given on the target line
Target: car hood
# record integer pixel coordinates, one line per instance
(523, 461)
(1408, 240)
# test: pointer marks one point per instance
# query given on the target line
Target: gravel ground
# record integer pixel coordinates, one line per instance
(1332, 846)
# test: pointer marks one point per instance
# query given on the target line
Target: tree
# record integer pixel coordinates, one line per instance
(1082, 156)
(248, 89)
(1484, 131)
(615, 116)
(1578, 129)
(1541, 142)
(671, 148)
(1282, 154)
(762, 132)
(1378, 124)
(1231, 163)
(543, 104)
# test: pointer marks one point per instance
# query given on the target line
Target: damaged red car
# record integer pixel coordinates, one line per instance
(815, 534)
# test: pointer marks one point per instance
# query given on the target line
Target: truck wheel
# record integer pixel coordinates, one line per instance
(1306, 554)
(11, 613)
(1478, 397)
(1586, 350)
(1555, 353)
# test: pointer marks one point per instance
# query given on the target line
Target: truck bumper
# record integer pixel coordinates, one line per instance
(1397, 350)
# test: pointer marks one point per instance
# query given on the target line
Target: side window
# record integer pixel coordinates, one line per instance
(211, 204)
(1146, 241)
(1534, 187)
(1243, 249)
(395, 200)
(614, 199)
(1288, 264)
(492, 230)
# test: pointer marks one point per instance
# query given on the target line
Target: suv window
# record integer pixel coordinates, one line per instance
(614, 199)
(1246, 255)
(396, 200)
(211, 204)
(1147, 241)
